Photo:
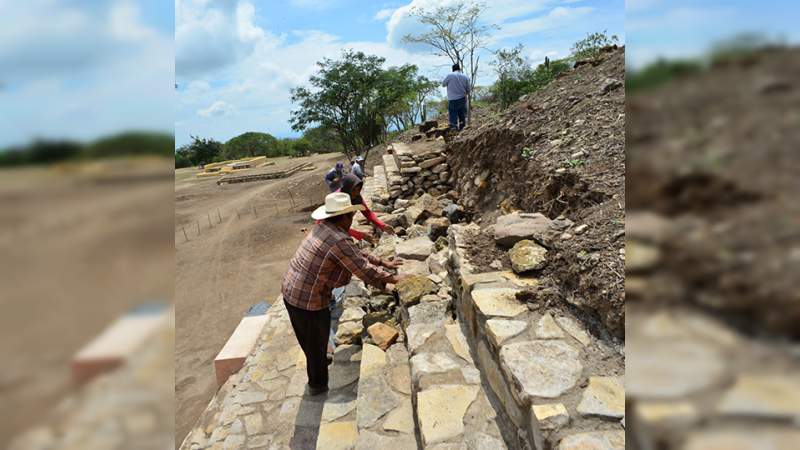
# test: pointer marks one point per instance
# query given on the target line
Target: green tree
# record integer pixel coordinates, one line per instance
(351, 96)
(250, 144)
(132, 143)
(201, 150)
(514, 75)
(399, 84)
(424, 88)
(590, 46)
(547, 72)
(322, 140)
(181, 159)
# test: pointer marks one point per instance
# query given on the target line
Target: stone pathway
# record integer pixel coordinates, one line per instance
(383, 411)
(695, 383)
(558, 385)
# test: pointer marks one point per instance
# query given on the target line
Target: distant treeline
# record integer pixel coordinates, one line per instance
(251, 144)
(45, 151)
(740, 47)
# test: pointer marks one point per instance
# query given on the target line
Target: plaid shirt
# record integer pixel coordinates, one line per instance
(326, 259)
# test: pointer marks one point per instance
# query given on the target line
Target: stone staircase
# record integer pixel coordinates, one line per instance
(469, 365)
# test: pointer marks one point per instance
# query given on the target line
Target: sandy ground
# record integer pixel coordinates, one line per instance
(236, 261)
(80, 248)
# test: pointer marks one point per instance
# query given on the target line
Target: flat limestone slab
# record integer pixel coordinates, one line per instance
(768, 396)
(115, 344)
(498, 302)
(598, 440)
(233, 354)
(441, 411)
(337, 436)
(604, 396)
(544, 369)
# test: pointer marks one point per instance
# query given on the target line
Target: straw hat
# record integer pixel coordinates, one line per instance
(336, 204)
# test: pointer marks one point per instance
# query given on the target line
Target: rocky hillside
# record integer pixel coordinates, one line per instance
(560, 152)
(713, 181)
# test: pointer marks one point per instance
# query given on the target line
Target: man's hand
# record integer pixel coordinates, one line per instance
(391, 264)
(400, 277)
(389, 229)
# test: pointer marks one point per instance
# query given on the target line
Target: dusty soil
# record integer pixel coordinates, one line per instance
(484, 252)
(560, 151)
(716, 156)
(236, 261)
(81, 245)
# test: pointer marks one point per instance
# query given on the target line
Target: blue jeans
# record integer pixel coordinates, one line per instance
(457, 110)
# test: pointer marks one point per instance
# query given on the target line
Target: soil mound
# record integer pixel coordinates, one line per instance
(712, 158)
(559, 151)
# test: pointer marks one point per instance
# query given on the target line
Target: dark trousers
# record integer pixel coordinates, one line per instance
(457, 110)
(312, 329)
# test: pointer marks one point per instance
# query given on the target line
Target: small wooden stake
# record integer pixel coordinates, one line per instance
(219, 215)
(184, 234)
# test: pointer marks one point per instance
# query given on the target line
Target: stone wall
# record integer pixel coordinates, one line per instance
(413, 170)
(557, 383)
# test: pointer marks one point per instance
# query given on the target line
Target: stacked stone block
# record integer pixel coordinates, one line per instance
(419, 170)
(560, 387)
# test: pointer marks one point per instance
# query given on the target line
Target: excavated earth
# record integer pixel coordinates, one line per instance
(559, 151)
(713, 176)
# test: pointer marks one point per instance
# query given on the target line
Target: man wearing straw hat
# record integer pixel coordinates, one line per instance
(326, 259)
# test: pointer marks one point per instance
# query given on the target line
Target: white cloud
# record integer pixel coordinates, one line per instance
(384, 14)
(217, 109)
(210, 37)
(99, 69)
(512, 16)
(257, 82)
(125, 23)
(558, 17)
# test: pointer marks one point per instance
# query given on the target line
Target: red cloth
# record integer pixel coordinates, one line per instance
(371, 216)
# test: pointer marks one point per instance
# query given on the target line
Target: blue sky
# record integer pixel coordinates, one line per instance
(236, 61)
(88, 68)
(687, 28)
(83, 69)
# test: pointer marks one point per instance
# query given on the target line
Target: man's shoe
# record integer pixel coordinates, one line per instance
(317, 390)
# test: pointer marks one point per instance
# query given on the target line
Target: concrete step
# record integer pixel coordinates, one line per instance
(552, 378)
(240, 344)
(117, 343)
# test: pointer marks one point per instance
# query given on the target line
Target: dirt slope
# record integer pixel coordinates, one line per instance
(715, 155)
(560, 151)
